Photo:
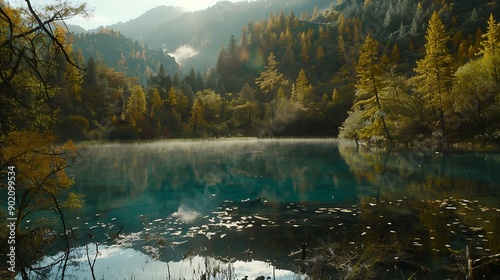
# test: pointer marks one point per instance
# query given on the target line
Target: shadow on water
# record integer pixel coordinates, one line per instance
(286, 207)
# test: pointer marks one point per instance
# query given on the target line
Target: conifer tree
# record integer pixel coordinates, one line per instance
(369, 88)
(271, 79)
(289, 56)
(342, 48)
(196, 120)
(320, 54)
(395, 55)
(490, 48)
(304, 52)
(136, 105)
(434, 76)
(491, 41)
(302, 89)
(156, 103)
(156, 109)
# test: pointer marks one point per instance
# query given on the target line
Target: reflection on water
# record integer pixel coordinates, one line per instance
(115, 262)
(289, 205)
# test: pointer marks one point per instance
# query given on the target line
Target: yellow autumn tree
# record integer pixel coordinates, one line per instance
(271, 79)
(197, 119)
(136, 105)
(490, 49)
(369, 89)
(42, 189)
(434, 76)
(30, 47)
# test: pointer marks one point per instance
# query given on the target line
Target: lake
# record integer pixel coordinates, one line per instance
(285, 209)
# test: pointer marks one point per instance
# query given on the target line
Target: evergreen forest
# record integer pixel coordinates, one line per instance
(374, 71)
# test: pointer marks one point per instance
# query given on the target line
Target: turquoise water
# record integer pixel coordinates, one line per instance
(249, 206)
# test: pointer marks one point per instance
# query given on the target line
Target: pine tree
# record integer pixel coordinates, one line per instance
(222, 61)
(491, 40)
(156, 109)
(136, 105)
(156, 103)
(232, 48)
(304, 52)
(490, 47)
(315, 12)
(289, 56)
(172, 98)
(271, 79)
(190, 79)
(320, 54)
(402, 31)
(302, 89)
(395, 55)
(199, 82)
(197, 119)
(417, 20)
(434, 76)
(342, 47)
(369, 88)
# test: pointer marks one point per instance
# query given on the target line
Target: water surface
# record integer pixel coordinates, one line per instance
(248, 207)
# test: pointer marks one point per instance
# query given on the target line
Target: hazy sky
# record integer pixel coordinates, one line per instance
(106, 12)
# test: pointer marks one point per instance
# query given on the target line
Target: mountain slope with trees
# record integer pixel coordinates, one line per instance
(123, 54)
(386, 71)
(140, 27)
(206, 30)
(375, 71)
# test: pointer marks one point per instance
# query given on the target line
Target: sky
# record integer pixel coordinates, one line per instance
(107, 12)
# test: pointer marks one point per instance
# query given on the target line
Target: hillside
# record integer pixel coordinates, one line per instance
(123, 54)
(142, 26)
(207, 31)
(376, 71)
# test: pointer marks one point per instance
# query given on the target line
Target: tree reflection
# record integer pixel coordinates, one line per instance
(367, 212)
(449, 199)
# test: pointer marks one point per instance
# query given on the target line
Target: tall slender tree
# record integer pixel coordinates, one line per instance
(490, 48)
(136, 105)
(434, 76)
(302, 89)
(369, 87)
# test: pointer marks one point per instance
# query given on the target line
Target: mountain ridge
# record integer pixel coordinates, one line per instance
(203, 32)
(147, 22)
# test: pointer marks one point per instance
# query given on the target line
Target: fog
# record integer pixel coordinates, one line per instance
(183, 53)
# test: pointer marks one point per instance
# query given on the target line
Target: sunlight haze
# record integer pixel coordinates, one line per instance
(113, 11)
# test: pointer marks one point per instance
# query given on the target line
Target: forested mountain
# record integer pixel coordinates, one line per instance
(146, 23)
(123, 54)
(376, 71)
(207, 30)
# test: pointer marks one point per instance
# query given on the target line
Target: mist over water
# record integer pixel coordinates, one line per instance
(256, 202)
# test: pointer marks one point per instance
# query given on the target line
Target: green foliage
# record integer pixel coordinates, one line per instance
(328, 53)
(35, 60)
(352, 126)
(136, 107)
(197, 119)
(123, 54)
(73, 127)
(433, 73)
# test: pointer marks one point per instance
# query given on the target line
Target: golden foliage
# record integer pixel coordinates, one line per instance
(42, 183)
